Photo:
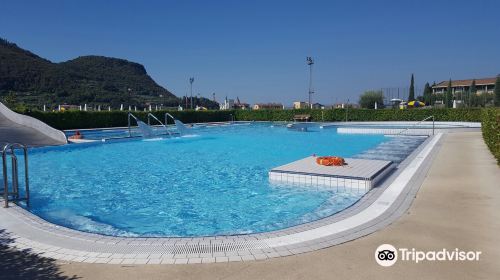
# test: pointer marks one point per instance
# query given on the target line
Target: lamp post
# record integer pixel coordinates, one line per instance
(129, 96)
(310, 62)
(191, 80)
(346, 109)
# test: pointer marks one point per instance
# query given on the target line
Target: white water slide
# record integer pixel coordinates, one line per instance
(18, 128)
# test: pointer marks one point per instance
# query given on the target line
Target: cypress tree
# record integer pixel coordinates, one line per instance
(411, 96)
(472, 94)
(497, 91)
(449, 96)
(473, 86)
(427, 94)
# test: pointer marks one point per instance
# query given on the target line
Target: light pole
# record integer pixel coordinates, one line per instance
(129, 96)
(310, 62)
(191, 80)
(346, 109)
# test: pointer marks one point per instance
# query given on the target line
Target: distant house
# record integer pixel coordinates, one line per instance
(344, 105)
(306, 105)
(301, 105)
(242, 106)
(485, 85)
(260, 106)
(227, 105)
(318, 106)
(230, 104)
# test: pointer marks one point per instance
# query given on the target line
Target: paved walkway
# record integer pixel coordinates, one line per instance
(458, 206)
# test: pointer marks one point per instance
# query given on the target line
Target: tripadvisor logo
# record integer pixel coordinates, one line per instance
(387, 255)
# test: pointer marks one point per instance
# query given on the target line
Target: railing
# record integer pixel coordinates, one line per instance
(166, 118)
(181, 128)
(10, 149)
(128, 118)
(164, 125)
(415, 124)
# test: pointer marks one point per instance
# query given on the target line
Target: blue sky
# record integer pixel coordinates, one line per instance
(256, 49)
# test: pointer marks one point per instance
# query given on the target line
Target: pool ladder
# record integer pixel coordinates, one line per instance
(162, 124)
(9, 149)
(130, 115)
(415, 124)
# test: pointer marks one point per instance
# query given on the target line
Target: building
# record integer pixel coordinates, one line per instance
(318, 106)
(485, 85)
(227, 105)
(344, 105)
(230, 104)
(242, 106)
(306, 105)
(300, 105)
(260, 106)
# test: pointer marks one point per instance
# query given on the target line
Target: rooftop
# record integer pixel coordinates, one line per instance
(466, 83)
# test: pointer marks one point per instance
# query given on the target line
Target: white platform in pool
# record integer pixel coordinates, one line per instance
(358, 175)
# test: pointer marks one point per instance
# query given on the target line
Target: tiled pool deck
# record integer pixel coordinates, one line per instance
(375, 210)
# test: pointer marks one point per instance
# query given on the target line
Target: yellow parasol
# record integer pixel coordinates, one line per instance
(416, 104)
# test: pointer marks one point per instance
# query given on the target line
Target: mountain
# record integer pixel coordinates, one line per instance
(33, 80)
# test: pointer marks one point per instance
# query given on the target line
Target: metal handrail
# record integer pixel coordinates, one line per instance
(415, 124)
(166, 118)
(154, 117)
(128, 118)
(178, 124)
(15, 175)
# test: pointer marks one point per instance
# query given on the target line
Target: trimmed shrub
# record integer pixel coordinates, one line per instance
(490, 125)
(82, 119)
(472, 115)
(489, 118)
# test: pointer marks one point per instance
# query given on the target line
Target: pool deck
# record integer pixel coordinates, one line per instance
(457, 206)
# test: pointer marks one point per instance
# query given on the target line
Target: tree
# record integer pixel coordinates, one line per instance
(449, 96)
(10, 99)
(427, 94)
(473, 93)
(497, 91)
(368, 99)
(411, 96)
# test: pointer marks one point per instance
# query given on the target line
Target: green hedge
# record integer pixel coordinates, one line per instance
(473, 115)
(490, 125)
(490, 118)
(82, 119)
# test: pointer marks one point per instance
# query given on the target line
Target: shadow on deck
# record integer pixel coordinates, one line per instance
(24, 264)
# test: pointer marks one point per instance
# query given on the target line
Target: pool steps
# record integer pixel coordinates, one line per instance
(395, 150)
(363, 172)
(359, 175)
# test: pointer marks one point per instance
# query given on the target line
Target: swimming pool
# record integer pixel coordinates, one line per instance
(212, 183)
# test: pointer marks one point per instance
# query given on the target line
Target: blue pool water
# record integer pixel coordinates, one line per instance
(211, 183)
